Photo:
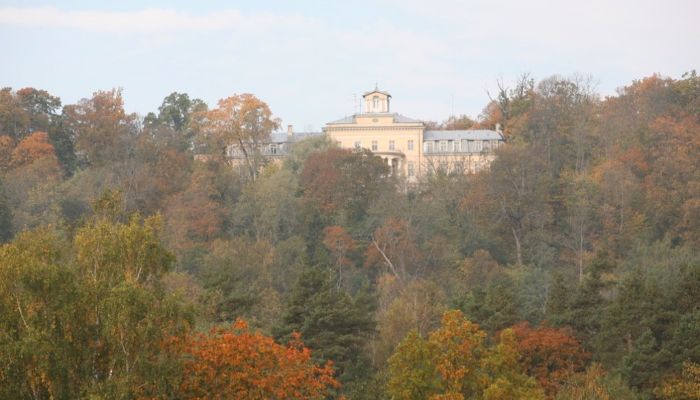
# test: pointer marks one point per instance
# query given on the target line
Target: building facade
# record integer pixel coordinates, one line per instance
(403, 143)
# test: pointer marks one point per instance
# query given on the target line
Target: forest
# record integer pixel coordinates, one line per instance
(138, 263)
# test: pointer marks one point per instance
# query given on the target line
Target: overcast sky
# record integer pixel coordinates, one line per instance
(307, 59)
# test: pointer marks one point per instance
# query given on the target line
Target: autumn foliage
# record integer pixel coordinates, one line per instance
(549, 354)
(31, 148)
(237, 363)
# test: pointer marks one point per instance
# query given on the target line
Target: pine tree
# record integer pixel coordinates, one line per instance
(332, 323)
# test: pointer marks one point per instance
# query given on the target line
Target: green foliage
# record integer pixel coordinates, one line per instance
(335, 325)
(413, 370)
(85, 316)
(586, 220)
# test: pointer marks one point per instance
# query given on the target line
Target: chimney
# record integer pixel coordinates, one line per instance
(290, 132)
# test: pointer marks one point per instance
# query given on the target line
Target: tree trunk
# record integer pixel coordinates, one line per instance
(518, 250)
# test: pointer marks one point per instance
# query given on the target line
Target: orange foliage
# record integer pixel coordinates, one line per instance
(549, 354)
(32, 148)
(236, 363)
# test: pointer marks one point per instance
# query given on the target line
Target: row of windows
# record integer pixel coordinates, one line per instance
(443, 146)
(392, 145)
(460, 146)
(457, 167)
(429, 147)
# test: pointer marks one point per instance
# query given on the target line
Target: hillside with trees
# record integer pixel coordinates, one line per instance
(137, 263)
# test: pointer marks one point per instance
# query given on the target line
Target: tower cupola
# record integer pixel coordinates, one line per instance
(376, 101)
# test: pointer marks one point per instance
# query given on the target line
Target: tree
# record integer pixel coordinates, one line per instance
(31, 148)
(267, 208)
(683, 387)
(640, 367)
(101, 127)
(341, 181)
(178, 116)
(242, 121)
(40, 106)
(84, 316)
(333, 324)
(512, 195)
(26, 111)
(195, 215)
(550, 355)
(302, 149)
(238, 363)
(494, 306)
(412, 370)
(340, 244)
(5, 216)
(455, 363)
(595, 384)
(507, 379)
(393, 247)
(31, 191)
(237, 274)
(417, 306)
(176, 111)
(14, 120)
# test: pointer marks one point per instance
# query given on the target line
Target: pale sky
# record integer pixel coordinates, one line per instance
(307, 59)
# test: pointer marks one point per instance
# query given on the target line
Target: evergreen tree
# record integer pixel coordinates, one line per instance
(640, 367)
(333, 324)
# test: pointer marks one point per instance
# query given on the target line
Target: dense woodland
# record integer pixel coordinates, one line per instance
(139, 264)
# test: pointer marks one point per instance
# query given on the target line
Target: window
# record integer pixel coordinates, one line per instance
(375, 102)
(456, 146)
(273, 149)
(477, 146)
(465, 145)
(374, 145)
(487, 145)
(410, 144)
(392, 145)
(358, 144)
(428, 147)
(443, 146)
(411, 169)
(450, 146)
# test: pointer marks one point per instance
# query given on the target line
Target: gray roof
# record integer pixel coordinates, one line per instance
(398, 118)
(281, 137)
(344, 120)
(471, 134)
(376, 91)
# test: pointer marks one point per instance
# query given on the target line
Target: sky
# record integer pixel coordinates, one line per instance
(311, 61)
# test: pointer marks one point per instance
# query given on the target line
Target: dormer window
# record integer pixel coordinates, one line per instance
(375, 102)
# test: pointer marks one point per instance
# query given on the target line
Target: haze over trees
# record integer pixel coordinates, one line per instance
(569, 270)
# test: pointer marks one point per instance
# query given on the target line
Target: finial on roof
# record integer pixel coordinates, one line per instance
(376, 86)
